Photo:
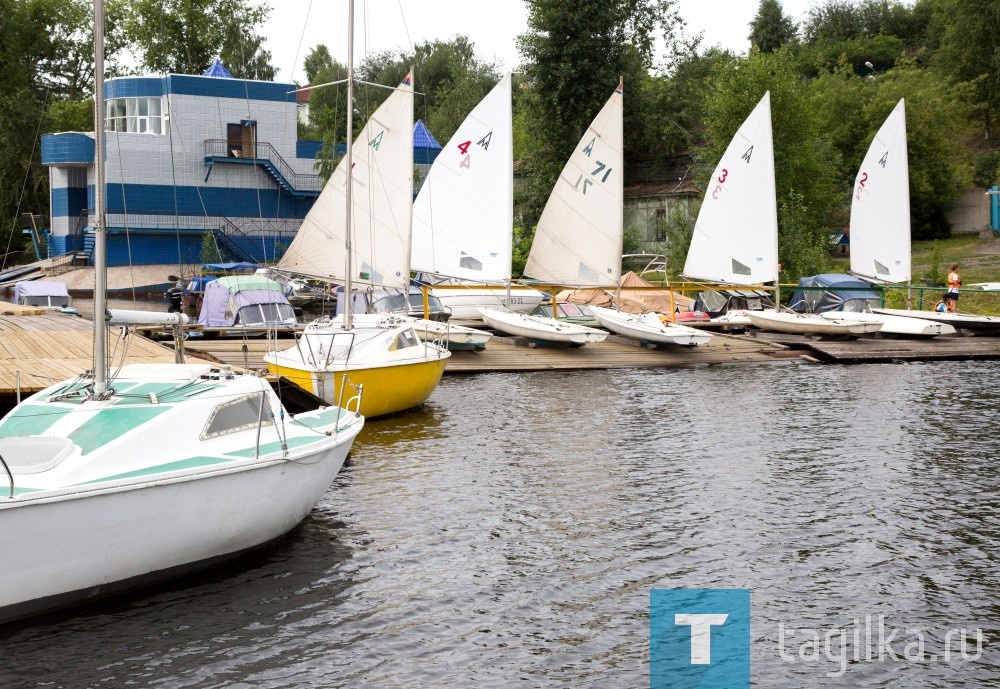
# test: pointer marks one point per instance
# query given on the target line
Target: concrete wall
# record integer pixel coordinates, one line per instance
(971, 212)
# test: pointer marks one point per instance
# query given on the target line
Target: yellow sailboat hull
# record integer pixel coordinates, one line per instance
(387, 389)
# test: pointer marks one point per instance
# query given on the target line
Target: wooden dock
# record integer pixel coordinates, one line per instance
(887, 349)
(39, 347)
(513, 354)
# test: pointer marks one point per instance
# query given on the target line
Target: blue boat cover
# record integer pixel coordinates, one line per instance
(217, 70)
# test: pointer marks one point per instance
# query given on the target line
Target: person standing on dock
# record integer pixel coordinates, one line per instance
(954, 282)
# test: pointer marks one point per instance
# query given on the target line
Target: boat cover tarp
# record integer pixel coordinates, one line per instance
(226, 296)
(198, 284)
(633, 300)
(719, 302)
(834, 292)
(39, 288)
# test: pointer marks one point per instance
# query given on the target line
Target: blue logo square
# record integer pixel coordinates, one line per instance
(699, 639)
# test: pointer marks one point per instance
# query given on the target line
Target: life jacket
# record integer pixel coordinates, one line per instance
(954, 281)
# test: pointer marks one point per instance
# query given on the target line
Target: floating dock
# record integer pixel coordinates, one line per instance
(38, 347)
(886, 349)
(513, 354)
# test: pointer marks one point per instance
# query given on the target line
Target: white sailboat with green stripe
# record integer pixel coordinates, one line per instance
(110, 481)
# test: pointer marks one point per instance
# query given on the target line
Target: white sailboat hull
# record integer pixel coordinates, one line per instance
(894, 325)
(450, 335)
(809, 324)
(102, 514)
(648, 327)
(465, 301)
(540, 328)
(959, 321)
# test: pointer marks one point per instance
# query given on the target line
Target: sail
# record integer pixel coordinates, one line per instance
(578, 241)
(735, 239)
(880, 208)
(463, 215)
(381, 198)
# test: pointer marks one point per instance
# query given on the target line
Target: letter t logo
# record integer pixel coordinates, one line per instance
(701, 634)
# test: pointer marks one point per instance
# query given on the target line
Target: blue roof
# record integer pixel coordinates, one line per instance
(422, 138)
(217, 70)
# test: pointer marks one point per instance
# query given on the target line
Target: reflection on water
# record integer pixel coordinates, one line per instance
(508, 533)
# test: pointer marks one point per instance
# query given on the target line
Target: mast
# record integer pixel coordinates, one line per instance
(100, 237)
(349, 162)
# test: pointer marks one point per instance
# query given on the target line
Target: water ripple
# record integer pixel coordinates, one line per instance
(508, 534)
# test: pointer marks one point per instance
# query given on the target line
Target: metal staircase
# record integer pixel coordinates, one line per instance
(266, 157)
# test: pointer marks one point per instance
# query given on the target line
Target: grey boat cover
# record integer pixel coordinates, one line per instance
(226, 296)
(41, 288)
(834, 292)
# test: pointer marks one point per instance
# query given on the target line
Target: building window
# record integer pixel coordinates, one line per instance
(146, 115)
(660, 231)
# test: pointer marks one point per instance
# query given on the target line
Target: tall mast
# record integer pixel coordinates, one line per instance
(100, 237)
(349, 161)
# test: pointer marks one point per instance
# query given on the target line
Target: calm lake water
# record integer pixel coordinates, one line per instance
(508, 534)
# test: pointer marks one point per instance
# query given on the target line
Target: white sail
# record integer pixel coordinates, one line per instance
(880, 208)
(463, 215)
(735, 239)
(578, 241)
(382, 196)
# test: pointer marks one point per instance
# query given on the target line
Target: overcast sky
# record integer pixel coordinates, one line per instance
(296, 26)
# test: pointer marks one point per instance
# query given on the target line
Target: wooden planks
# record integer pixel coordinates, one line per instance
(937, 348)
(38, 350)
(508, 354)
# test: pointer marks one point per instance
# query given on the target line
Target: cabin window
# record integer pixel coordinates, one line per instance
(136, 115)
(407, 338)
(238, 415)
(261, 314)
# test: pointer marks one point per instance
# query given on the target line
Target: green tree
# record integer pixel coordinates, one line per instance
(184, 36)
(210, 252)
(970, 52)
(44, 49)
(771, 28)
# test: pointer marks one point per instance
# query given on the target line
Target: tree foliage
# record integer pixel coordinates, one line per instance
(184, 36)
(771, 28)
(970, 52)
(43, 59)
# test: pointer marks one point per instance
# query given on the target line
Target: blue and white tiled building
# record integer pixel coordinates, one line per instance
(186, 156)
